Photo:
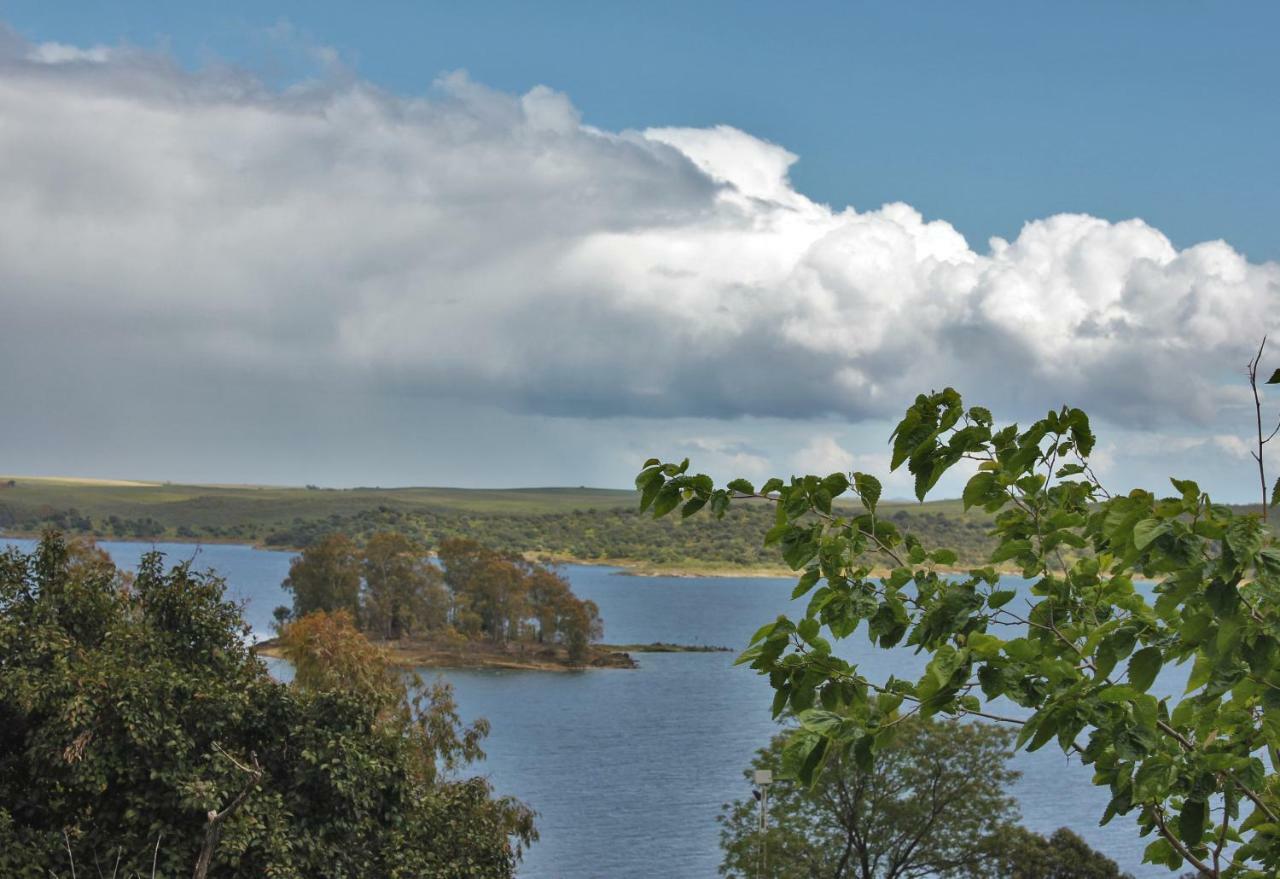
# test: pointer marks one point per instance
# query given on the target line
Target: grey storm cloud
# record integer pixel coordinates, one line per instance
(203, 229)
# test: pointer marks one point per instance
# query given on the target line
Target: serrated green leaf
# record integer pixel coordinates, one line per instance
(869, 490)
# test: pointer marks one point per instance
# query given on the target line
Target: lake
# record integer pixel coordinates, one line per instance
(627, 769)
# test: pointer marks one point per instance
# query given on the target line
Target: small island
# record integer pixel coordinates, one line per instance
(464, 606)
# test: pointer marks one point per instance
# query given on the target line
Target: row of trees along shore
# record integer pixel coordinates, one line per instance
(395, 591)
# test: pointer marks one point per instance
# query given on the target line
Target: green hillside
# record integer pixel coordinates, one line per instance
(573, 523)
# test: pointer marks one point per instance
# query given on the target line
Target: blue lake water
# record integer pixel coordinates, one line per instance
(628, 768)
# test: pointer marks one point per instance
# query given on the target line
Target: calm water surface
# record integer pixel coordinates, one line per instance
(628, 769)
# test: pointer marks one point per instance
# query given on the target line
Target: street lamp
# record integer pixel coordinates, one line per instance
(762, 779)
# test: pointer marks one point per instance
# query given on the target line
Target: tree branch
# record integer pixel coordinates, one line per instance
(1252, 369)
(1205, 869)
(213, 827)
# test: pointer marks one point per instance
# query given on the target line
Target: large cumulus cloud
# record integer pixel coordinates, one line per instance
(476, 244)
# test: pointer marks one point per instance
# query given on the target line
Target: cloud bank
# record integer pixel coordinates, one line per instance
(200, 228)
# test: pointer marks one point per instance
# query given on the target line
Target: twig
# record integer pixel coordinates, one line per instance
(1222, 836)
(155, 856)
(1252, 371)
(213, 827)
(67, 840)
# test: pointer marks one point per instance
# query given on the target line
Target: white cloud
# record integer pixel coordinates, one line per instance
(1233, 445)
(175, 231)
(727, 455)
(823, 455)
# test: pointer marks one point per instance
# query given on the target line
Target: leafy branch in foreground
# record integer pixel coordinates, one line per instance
(1078, 654)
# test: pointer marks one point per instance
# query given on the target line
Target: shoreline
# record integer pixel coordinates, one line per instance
(430, 654)
(427, 654)
(625, 567)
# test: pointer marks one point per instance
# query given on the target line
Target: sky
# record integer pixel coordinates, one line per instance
(500, 244)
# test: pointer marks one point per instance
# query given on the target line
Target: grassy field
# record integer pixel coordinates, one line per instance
(567, 523)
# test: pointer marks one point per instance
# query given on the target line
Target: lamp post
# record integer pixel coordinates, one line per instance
(762, 778)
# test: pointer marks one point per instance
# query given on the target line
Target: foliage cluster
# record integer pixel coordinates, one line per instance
(392, 587)
(934, 803)
(1121, 587)
(137, 728)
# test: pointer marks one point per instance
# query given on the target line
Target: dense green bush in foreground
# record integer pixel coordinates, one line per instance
(137, 727)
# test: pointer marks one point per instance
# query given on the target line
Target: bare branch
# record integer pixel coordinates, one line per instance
(213, 827)
(67, 840)
(1252, 371)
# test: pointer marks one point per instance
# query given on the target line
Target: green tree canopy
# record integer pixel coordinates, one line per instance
(934, 803)
(499, 595)
(1123, 585)
(326, 576)
(1022, 854)
(137, 724)
(404, 591)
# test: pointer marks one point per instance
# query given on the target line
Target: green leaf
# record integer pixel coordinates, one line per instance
(692, 506)
(1115, 695)
(837, 484)
(719, 503)
(806, 582)
(667, 500)
(1275, 378)
(649, 484)
(1146, 531)
(1143, 668)
(868, 488)
(999, 599)
(1010, 549)
(978, 489)
(812, 760)
(943, 557)
(1244, 537)
(741, 486)
(1191, 821)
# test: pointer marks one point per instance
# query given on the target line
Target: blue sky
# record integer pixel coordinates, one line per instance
(987, 114)
(523, 244)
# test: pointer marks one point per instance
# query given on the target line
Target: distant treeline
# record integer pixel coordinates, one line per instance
(586, 534)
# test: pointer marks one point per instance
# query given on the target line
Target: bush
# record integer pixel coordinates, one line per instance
(136, 723)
